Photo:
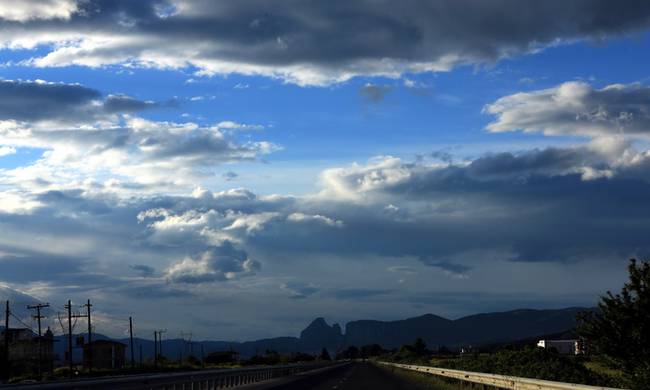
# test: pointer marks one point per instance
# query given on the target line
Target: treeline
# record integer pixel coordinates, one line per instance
(529, 362)
(268, 358)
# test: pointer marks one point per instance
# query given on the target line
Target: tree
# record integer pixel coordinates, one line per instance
(325, 355)
(620, 328)
(221, 357)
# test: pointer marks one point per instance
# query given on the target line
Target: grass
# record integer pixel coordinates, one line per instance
(422, 380)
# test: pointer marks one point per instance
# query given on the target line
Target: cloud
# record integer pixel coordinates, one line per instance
(142, 269)
(532, 211)
(229, 176)
(94, 139)
(221, 263)
(374, 93)
(43, 9)
(306, 43)
(34, 101)
(357, 294)
(453, 269)
(7, 151)
(303, 218)
(575, 108)
(300, 290)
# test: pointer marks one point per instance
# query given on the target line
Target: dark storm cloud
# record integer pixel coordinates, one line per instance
(33, 101)
(153, 291)
(143, 270)
(319, 43)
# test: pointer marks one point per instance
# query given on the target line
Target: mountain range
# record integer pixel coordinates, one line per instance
(436, 331)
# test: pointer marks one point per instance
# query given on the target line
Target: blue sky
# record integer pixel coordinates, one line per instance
(350, 162)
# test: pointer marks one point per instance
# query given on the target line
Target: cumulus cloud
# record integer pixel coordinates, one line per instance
(306, 43)
(456, 220)
(575, 108)
(218, 264)
(87, 136)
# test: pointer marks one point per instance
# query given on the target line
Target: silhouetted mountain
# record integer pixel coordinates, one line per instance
(389, 334)
(489, 329)
(318, 335)
(475, 329)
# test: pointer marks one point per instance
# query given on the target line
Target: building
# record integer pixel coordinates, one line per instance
(106, 354)
(26, 349)
(566, 347)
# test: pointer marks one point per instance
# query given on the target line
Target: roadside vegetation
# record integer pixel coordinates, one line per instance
(214, 360)
(617, 338)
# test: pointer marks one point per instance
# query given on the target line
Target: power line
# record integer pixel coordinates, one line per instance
(22, 323)
(38, 315)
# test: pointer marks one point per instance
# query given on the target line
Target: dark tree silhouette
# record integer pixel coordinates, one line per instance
(620, 328)
(324, 355)
(420, 347)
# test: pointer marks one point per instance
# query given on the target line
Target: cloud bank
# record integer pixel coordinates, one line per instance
(306, 43)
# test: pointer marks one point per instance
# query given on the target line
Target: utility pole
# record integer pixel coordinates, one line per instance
(131, 342)
(38, 317)
(202, 356)
(90, 338)
(155, 348)
(7, 313)
(187, 342)
(69, 307)
(160, 333)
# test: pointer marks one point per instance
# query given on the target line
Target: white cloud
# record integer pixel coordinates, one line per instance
(22, 11)
(7, 151)
(301, 217)
(575, 108)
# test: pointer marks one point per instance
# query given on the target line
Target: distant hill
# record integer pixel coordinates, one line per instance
(488, 329)
(471, 330)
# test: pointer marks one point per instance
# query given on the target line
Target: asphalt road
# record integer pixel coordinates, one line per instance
(353, 376)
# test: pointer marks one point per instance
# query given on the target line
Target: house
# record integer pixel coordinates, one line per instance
(26, 348)
(566, 347)
(106, 354)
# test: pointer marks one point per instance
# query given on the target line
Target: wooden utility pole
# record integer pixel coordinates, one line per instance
(38, 317)
(90, 338)
(160, 333)
(7, 313)
(69, 307)
(131, 342)
(155, 348)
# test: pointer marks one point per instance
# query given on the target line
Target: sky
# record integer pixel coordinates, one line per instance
(236, 169)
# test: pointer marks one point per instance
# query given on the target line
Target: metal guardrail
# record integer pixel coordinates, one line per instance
(196, 380)
(501, 381)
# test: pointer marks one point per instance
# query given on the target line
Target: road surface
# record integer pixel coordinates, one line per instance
(353, 376)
